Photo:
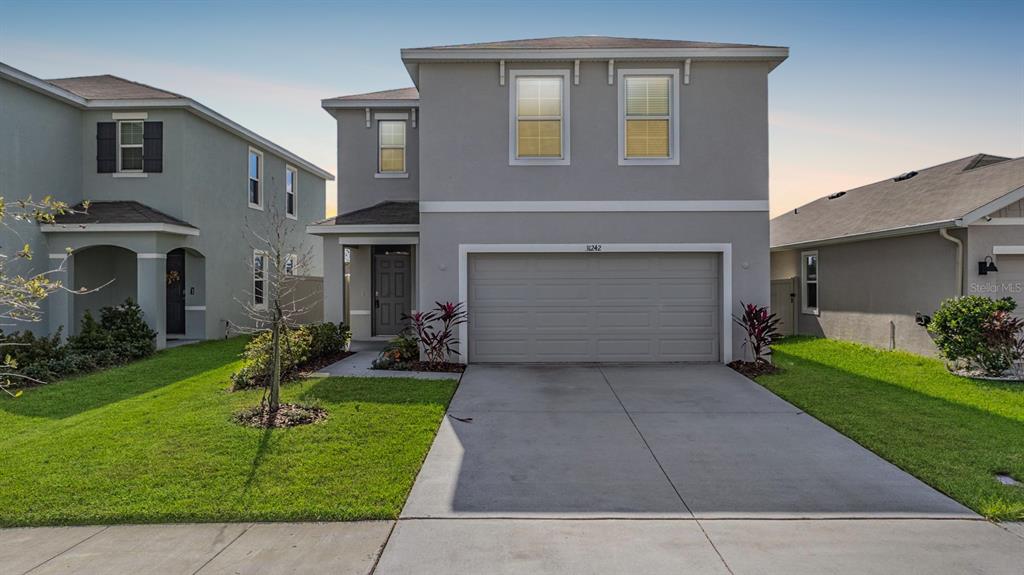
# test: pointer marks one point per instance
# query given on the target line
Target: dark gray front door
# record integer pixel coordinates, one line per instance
(176, 291)
(392, 286)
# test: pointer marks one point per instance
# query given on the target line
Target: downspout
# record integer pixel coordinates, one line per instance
(959, 260)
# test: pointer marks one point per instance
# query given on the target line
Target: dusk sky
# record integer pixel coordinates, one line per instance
(870, 89)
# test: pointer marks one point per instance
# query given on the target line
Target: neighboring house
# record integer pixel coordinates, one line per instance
(172, 184)
(866, 264)
(589, 198)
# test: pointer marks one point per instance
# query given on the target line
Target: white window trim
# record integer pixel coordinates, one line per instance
(725, 249)
(513, 160)
(807, 310)
(378, 118)
(263, 191)
(673, 159)
(263, 254)
(141, 146)
(295, 192)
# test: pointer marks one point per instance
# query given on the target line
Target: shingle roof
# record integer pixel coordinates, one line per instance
(384, 213)
(108, 87)
(121, 212)
(586, 42)
(398, 94)
(939, 194)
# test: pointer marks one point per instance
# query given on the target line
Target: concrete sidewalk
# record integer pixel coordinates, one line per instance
(521, 546)
(189, 549)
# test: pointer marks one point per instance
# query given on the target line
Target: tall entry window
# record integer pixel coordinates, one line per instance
(809, 281)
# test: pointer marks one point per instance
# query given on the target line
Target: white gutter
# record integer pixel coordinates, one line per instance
(337, 103)
(147, 227)
(889, 233)
(944, 232)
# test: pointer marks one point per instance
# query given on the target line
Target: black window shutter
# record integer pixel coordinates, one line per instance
(153, 147)
(106, 147)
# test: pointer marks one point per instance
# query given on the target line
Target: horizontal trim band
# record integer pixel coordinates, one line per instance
(359, 312)
(1008, 250)
(150, 256)
(195, 308)
(609, 206)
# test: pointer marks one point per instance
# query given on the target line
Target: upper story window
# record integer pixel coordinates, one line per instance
(255, 190)
(291, 191)
(648, 117)
(259, 279)
(391, 147)
(809, 281)
(539, 117)
(129, 145)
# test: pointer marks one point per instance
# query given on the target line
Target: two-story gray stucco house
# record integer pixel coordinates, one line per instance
(868, 264)
(171, 185)
(589, 198)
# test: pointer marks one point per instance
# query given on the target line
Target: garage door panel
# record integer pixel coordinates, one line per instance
(584, 307)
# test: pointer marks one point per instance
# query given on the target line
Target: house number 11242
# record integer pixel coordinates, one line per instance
(593, 247)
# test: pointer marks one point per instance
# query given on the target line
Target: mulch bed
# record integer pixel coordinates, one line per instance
(440, 367)
(320, 363)
(752, 369)
(288, 415)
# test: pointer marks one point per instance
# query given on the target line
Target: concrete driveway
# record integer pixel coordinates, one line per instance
(667, 469)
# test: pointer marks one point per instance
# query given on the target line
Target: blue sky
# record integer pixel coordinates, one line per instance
(871, 89)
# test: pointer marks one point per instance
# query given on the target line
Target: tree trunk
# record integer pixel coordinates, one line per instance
(275, 374)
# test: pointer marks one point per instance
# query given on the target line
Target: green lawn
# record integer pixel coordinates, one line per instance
(154, 442)
(951, 432)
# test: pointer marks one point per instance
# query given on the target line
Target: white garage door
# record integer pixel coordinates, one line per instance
(594, 307)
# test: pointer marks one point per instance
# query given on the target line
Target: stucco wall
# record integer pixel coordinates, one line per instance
(723, 133)
(723, 156)
(863, 286)
(980, 241)
(39, 156)
(357, 162)
(49, 148)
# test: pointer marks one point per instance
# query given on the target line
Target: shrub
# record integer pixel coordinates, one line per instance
(299, 346)
(400, 351)
(327, 338)
(761, 328)
(121, 335)
(959, 330)
(37, 358)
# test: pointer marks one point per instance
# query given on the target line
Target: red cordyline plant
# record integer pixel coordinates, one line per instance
(439, 342)
(761, 328)
(1004, 334)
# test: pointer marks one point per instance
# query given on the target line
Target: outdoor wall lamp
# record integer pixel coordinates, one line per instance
(987, 265)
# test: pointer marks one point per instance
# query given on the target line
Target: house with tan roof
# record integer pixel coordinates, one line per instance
(871, 264)
(589, 198)
(171, 183)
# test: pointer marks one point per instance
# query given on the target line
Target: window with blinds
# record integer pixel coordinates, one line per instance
(648, 116)
(130, 145)
(391, 135)
(539, 117)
